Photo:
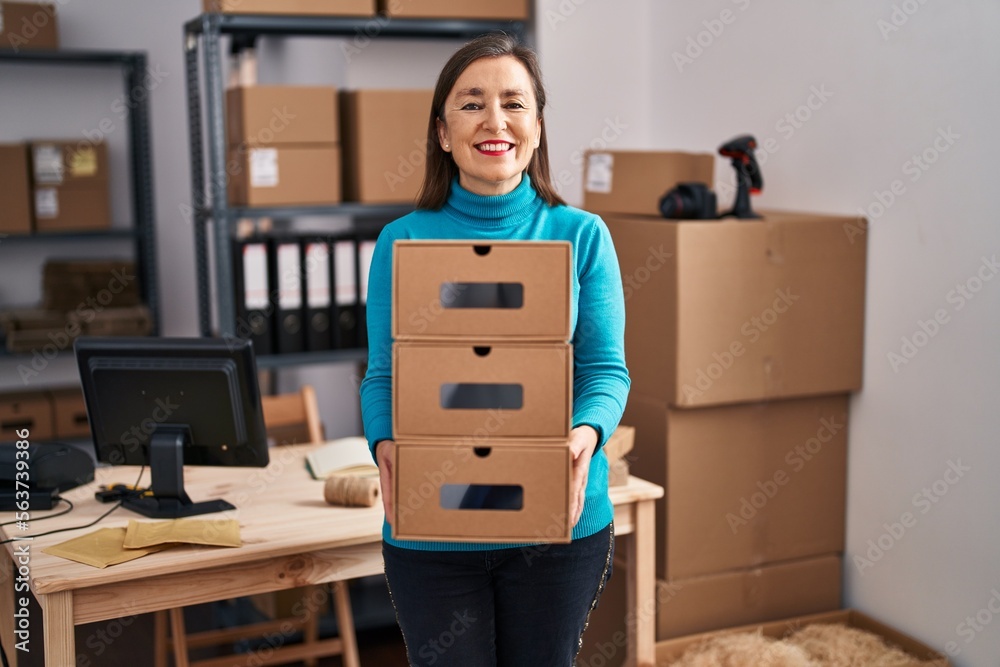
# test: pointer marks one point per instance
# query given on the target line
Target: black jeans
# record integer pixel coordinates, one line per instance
(520, 607)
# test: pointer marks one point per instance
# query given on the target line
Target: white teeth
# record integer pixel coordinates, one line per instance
(492, 148)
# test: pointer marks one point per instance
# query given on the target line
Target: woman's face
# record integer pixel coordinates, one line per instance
(491, 125)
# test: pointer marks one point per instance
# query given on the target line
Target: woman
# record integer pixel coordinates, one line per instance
(488, 178)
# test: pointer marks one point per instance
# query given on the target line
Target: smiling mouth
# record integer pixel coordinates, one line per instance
(494, 147)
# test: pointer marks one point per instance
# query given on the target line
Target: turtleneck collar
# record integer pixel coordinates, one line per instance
(493, 210)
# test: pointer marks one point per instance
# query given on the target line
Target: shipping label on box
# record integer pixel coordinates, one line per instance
(745, 484)
(281, 115)
(489, 391)
(501, 291)
(633, 182)
(737, 311)
(301, 175)
(69, 163)
(482, 493)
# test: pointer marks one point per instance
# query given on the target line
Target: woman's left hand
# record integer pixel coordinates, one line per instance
(582, 443)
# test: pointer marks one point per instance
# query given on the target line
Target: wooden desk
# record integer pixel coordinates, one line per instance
(291, 538)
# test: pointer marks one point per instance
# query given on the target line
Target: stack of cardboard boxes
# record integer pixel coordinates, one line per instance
(482, 391)
(70, 186)
(743, 339)
(53, 414)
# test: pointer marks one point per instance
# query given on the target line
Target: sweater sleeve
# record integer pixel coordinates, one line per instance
(376, 388)
(600, 378)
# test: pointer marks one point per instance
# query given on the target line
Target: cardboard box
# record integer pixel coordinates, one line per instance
(731, 311)
(131, 321)
(28, 25)
(469, 391)
(440, 288)
(746, 484)
(63, 209)
(69, 413)
(384, 137)
(633, 182)
(667, 652)
(431, 480)
(69, 163)
(618, 472)
(15, 195)
(621, 442)
(292, 7)
(86, 285)
(738, 597)
(514, 10)
(31, 411)
(34, 329)
(285, 176)
(281, 115)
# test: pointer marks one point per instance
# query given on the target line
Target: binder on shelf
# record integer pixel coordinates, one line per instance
(344, 252)
(319, 305)
(253, 294)
(286, 276)
(366, 248)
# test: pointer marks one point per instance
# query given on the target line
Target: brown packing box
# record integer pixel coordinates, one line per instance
(732, 311)
(26, 410)
(34, 329)
(84, 285)
(281, 115)
(435, 281)
(745, 484)
(427, 476)
(292, 7)
(384, 137)
(515, 10)
(28, 25)
(469, 391)
(618, 472)
(62, 209)
(15, 195)
(70, 413)
(667, 652)
(69, 163)
(298, 175)
(755, 595)
(632, 182)
(621, 442)
(131, 321)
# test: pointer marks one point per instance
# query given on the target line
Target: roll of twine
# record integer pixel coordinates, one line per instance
(351, 490)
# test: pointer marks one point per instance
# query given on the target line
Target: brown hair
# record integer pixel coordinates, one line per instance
(441, 168)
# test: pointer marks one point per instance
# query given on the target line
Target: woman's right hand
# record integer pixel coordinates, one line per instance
(385, 456)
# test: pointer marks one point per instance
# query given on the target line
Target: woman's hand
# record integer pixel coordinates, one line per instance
(385, 455)
(582, 443)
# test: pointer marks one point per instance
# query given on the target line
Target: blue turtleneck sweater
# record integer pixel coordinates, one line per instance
(600, 379)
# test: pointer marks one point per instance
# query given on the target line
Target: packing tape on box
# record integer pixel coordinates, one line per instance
(351, 490)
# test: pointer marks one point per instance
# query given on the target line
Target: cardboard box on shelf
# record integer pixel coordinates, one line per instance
(84, 285)
(384, 138)
(502, 291)
(633, 182)
(69, 413)
(731, 311)
(32, 329)
(671, 650)
(738, 597)
(69, 163)
(281, 115)
(480, 492)
(514, 10)
(500, 391)
(130, 321)
(64, 209)
(292, 7)
(297, 175)
(746, 484)
(15, 195)
(28, 25)
(25, 412)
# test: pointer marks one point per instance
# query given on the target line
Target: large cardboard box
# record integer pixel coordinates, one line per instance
(514, 10)
(297, 175)
(632, 182)
(738, 597)
(671, 650)
(384, 137)
(730, 311)
(438, 491)
(745, 484)
(15, 194)
(65, 209)
(502, 291)
(69, 163)
(86, 285)
(28, 25)
(292, 7)
(467, 391)
(281, 115)
(26, 411)
(70, 180)
(69, 413)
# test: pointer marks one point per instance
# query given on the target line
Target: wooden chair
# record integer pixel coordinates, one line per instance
(288, 419)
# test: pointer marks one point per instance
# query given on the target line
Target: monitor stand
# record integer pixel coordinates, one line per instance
(169, 500)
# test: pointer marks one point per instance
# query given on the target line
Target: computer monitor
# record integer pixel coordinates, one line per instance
(167, 402)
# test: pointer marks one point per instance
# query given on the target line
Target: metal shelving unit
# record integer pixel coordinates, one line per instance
(142, 230)
(212, 214)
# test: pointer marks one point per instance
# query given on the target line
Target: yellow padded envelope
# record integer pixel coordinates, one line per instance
(100, 548)
(218, 533)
